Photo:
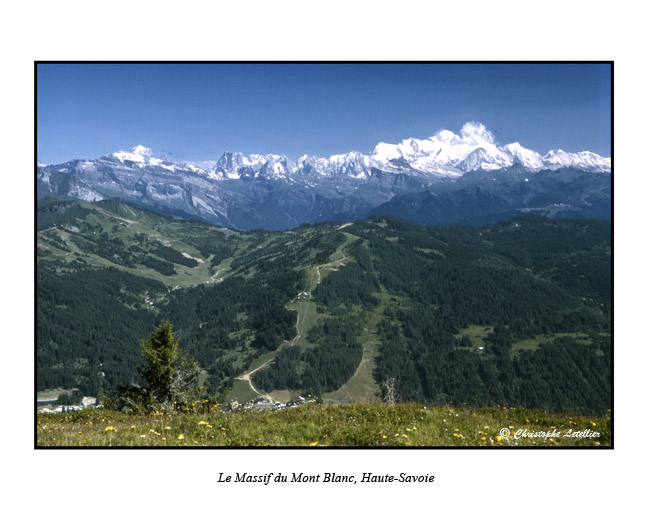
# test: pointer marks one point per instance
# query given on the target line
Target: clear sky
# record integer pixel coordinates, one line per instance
(198, 111)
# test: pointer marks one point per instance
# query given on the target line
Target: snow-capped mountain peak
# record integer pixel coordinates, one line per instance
(230, 161)
(273, 191)
(143, 151)
(525, 157)
(475, 148)
(584, 160)
(138, 154)
(444, 154)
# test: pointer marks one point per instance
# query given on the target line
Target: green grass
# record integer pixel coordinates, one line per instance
(257, 362)
(241, 391)
(308, 317)
(362, 387)
(129, 222)
(49, 394)
(355, 425)
(533, 343)
(476, 334)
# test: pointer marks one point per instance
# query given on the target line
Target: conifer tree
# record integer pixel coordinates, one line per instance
(171, 375)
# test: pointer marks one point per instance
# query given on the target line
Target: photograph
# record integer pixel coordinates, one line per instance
(293, 255)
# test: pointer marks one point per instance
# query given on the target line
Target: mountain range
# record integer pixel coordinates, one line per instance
(448, 178)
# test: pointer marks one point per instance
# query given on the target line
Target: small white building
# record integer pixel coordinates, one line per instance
(89, 401)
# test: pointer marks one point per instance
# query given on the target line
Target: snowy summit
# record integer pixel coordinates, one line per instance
(445, 154)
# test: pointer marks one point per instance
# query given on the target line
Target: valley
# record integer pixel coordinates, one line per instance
(493, 315)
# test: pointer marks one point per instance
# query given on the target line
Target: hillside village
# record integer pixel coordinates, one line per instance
(262, 403)
(52, 406)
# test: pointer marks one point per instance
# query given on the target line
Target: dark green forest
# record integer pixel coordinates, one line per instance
(325, 367)
(538, 290)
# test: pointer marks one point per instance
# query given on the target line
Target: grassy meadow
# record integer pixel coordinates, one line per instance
(341, 425)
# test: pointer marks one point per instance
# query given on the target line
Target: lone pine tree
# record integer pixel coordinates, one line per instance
(171, 375)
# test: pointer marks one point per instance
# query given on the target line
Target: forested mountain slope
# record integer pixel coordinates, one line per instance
(517, 313)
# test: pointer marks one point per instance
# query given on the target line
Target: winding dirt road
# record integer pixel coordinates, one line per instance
(246, 377)
(333, 264)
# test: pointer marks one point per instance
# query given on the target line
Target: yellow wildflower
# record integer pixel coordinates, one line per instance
(313, 444)
(181, 436)
(110, 427)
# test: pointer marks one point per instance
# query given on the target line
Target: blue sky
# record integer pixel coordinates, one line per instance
(197, 111)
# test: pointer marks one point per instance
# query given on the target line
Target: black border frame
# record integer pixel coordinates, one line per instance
(355, 62)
